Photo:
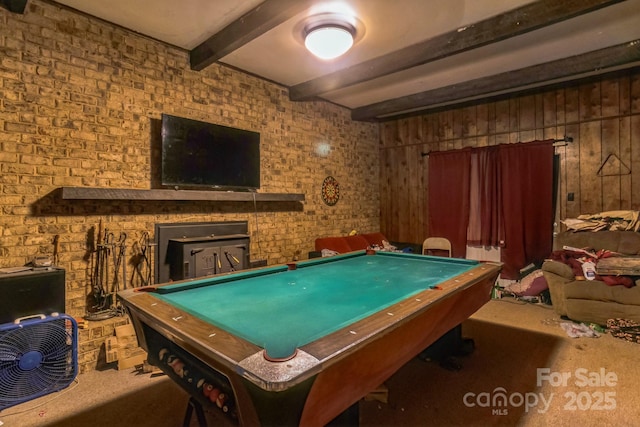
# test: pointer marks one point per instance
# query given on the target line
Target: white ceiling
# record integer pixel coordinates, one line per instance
(389, 25)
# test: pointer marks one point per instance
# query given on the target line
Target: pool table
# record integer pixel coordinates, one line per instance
(298, 344)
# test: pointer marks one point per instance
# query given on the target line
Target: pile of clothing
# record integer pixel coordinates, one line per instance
(610, 220)
(576, 258)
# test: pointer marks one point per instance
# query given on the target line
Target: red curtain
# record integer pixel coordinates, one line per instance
(526, 173)
(495, 196)
(449, 197)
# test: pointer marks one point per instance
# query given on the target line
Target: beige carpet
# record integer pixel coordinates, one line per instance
(514, 345)
(587, 382)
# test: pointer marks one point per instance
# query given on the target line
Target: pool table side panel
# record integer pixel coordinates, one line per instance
(243, 400)
(352, 378)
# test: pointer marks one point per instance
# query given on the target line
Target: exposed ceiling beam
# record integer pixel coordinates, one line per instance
(252, 24)
(510, 24)
(598, 61)
(15, 6)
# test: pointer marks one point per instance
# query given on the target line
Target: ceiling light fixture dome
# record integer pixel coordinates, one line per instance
(329, 40)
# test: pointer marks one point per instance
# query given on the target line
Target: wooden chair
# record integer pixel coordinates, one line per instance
(437, 245)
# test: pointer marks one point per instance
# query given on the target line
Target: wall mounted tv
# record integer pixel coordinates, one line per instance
(199, 155)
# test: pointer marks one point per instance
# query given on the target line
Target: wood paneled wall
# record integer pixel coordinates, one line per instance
(599, 170)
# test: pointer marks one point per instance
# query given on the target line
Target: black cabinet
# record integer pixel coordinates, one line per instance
(31, 292)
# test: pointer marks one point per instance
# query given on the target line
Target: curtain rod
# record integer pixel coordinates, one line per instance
(565, 138)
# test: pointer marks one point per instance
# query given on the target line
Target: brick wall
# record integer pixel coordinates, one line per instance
(78, 99)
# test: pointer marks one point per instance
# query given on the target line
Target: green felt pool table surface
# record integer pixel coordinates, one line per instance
(281, 309)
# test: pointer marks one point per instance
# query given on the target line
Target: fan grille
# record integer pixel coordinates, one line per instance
(37, 357)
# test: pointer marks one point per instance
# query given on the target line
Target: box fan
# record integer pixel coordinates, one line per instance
(38, 355)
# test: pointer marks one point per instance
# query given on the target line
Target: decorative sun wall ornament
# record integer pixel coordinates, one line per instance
(330, 191)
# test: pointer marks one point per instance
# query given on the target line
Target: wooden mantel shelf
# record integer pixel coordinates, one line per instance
(88, 193)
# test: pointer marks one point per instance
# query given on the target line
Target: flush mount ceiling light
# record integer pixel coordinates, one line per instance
(329, 40)
(329, 35)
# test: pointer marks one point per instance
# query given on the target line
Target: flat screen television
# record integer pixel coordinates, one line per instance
(200, 155)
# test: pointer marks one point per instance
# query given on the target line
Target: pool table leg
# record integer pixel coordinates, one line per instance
(447, 348)
(194, 405)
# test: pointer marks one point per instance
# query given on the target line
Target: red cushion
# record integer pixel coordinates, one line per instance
(357, 242)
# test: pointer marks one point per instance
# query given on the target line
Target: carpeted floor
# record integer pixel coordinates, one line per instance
(525, 371)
